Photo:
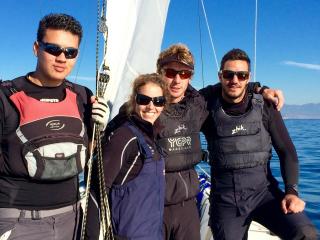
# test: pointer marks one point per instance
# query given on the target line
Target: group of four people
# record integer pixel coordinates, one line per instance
(149, 158)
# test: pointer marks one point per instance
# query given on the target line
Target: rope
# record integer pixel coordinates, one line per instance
(255, 42)
(211, 39)
(102, 79)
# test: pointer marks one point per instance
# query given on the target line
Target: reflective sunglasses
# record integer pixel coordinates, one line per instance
(56, 50)
(171, 73)
(241, 75)
(145, 100)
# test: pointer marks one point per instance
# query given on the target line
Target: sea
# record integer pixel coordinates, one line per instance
(305, 134)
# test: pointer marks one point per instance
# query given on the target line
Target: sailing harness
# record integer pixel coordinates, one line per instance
(102, 79)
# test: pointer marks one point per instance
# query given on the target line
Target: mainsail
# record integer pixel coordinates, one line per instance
(135, 34)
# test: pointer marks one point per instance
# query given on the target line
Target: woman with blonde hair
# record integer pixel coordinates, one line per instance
(133, 163)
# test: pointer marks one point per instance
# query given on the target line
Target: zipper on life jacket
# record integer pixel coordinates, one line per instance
(185, 185)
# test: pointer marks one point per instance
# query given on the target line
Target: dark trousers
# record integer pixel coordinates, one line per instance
(227, 223)
(58, 227)
(181, 221)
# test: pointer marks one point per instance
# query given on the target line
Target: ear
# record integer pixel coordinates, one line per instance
(220, 76)
(35, 48)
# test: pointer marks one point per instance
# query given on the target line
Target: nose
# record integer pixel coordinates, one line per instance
(150, 105)
(235, 78)
(177, 78)
(61, 57)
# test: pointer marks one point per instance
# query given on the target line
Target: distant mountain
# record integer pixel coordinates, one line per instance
(305, 111)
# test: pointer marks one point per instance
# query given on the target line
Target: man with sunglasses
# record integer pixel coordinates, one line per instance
(241, 130)
(180, 139)
(45, 124)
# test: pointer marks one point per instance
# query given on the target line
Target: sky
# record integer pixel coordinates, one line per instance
(287, 45)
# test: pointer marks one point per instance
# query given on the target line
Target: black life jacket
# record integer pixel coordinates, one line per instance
(180, 138)
(50, 137)
(239, 141)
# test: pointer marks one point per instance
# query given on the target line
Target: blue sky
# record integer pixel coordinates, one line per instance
(288, 45)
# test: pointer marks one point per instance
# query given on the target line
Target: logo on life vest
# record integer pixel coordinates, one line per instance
(179, 128)
(55, 125)
(238, 129)
(179, 143)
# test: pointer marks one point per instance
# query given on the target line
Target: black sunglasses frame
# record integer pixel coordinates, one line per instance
(145, 100)
(229, 74)
(56, 50)
(184, 74)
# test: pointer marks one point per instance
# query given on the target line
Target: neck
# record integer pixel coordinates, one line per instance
(232, 100)
(41, 80)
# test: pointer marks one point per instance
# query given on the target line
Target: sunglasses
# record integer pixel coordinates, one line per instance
(241, 75)
(171, 73)
(145, 100)
(56, 50)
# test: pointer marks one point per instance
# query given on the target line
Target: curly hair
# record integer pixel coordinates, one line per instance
(235, 54)
(59, 21)
(175, 53)
(142, 80)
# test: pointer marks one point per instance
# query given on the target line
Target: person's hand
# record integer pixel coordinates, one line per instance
(100, 112)
(292, 204)
(275, 96)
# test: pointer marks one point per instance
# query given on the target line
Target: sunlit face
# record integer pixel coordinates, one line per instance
(233, 90)
(54, 69)
(177, 86)
(149, 112)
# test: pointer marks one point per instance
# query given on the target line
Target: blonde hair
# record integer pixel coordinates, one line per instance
(142, 80)
(175, 53)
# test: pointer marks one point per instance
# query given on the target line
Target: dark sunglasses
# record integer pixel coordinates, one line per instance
(241, 75)
(171, 73)
(56, 50)
(145, 100)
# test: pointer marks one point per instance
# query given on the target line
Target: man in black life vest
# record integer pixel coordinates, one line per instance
(45, 128)
(241, 130)
(180, 139)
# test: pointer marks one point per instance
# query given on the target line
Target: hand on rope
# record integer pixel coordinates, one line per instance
(100, 112)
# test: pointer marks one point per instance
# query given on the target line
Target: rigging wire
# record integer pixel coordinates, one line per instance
(200, 39)
(255, 42)
(211, 39)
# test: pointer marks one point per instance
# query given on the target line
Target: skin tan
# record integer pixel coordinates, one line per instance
(149, 112)
(176, 85)
(51, 70)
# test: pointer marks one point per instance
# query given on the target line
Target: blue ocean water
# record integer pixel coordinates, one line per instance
(305, 135)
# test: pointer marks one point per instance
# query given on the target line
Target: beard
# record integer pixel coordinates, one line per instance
(232, 96)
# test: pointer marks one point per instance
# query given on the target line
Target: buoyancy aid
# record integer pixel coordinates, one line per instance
(137, 205)
(239, 141)
(180, 138)
(50, 136)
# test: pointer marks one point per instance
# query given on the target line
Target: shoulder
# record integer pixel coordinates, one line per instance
(269, 111)
(121, 136)
(83, 92)
(194, 97)
(210, 91)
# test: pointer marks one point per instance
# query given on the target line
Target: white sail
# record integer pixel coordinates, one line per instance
(135, 34)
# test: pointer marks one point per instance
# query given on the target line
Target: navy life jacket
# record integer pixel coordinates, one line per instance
(50, 136)
(239, 141)
(137, 206)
